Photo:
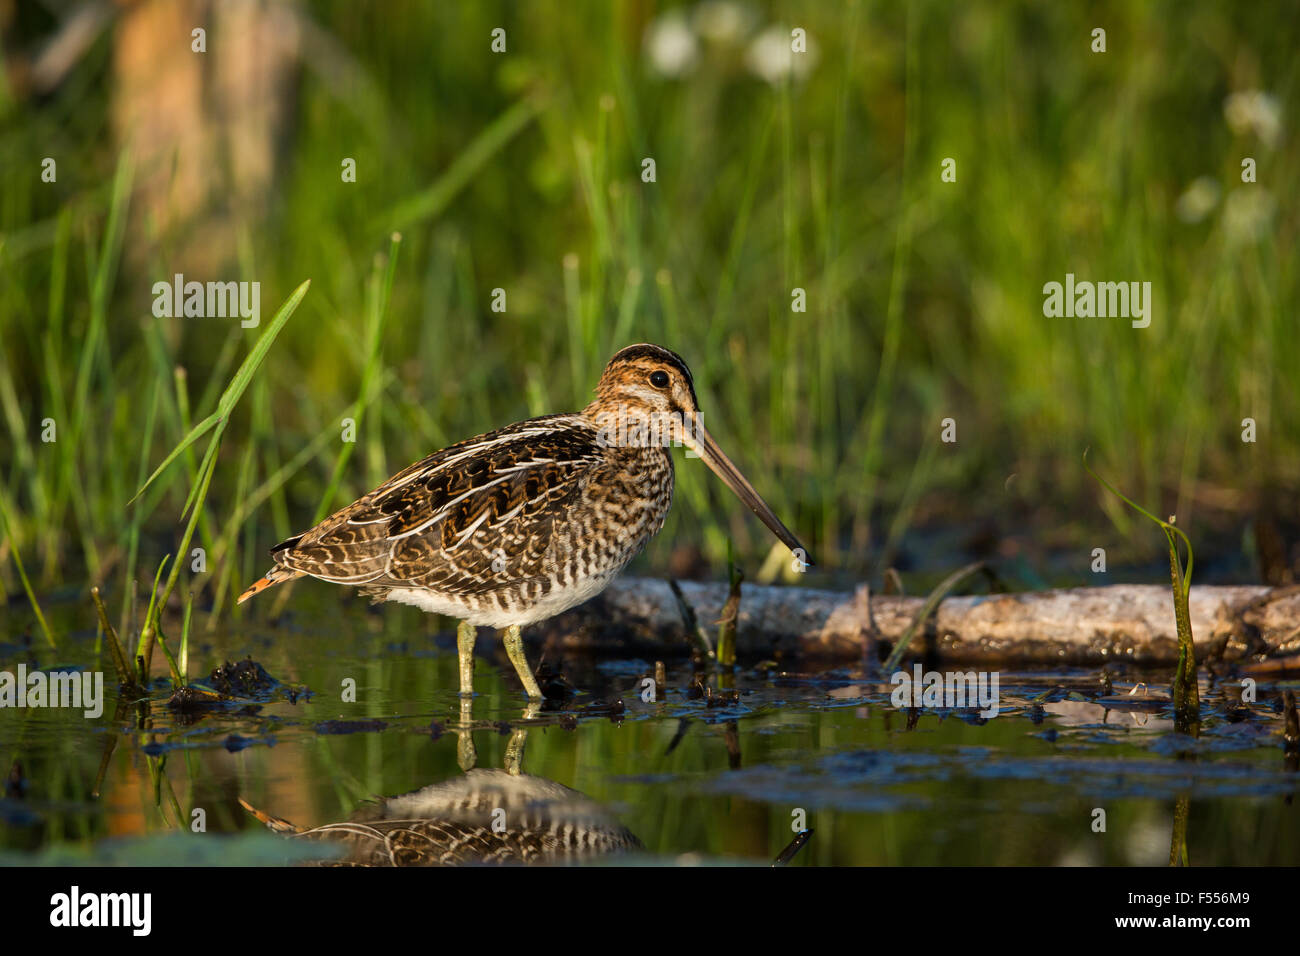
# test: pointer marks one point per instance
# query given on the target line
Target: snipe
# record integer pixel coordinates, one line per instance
(483, 817)
(519, 524)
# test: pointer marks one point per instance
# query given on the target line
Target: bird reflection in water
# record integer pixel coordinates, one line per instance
(483, 817)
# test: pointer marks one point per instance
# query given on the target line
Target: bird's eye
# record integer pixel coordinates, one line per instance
(659, 379)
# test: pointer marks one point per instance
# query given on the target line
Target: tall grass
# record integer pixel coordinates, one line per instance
(214, 423)
(522, 172)
(1187, 695)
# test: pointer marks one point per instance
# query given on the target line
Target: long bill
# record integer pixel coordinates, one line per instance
(702, 443)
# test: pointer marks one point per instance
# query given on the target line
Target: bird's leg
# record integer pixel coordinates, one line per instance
(515, 651)
(466, 755)
(466, 634)
(514, 760)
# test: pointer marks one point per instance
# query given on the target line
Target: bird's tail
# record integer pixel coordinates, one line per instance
(278, 824)
(276, 575)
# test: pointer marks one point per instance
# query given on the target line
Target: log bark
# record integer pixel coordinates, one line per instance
(1075, 626)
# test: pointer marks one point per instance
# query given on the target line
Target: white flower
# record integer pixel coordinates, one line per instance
(723, 21)
(771, 56)
(1256, 112)
(671, 46)
(1198, 200)
(1248, 214)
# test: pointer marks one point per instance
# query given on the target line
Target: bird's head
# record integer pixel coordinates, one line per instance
(646, 397)
(651, 387)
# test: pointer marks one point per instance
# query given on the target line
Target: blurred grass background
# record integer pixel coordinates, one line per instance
(521, 171)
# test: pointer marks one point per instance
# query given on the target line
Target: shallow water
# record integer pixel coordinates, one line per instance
(689, 778)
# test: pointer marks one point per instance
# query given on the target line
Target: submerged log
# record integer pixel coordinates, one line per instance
(1075, 626)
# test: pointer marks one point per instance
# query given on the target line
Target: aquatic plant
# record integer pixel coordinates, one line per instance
(1187, 703)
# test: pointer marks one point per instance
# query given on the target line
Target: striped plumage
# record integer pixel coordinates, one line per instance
(484, 817)
(524, 522)
(502, 529)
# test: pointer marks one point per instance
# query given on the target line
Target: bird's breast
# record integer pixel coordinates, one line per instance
(622, 506)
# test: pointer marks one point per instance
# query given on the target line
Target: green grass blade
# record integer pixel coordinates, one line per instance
(434, 199)
(22, 573)
(197, 432)
(250, 365)
(236, 387)
(931, 602)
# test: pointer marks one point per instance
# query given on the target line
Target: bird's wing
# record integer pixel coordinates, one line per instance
(460, 521)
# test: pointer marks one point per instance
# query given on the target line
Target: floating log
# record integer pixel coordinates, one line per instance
(1073, 626)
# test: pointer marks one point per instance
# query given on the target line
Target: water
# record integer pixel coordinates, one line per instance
(691, 779)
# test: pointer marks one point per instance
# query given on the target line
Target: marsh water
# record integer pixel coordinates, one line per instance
(362, 709)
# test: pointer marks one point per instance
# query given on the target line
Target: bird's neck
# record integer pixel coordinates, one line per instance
(632, 425)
